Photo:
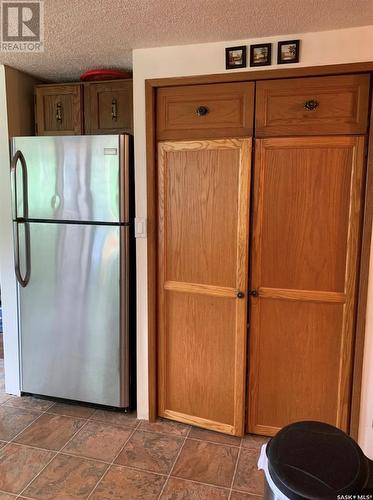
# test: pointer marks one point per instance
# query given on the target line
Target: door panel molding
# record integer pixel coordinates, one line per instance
(305, 295)
(200, 422)
(217, 291)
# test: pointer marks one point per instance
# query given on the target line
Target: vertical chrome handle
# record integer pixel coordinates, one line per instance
(18, 157)
(13, 168)
(23, 281)
(59, 112)
(114, 110)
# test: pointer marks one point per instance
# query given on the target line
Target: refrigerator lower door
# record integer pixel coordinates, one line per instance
(74, 315)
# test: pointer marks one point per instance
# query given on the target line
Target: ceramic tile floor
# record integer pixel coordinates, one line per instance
(52, 451)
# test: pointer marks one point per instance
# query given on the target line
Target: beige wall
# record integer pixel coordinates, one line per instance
(329, 47)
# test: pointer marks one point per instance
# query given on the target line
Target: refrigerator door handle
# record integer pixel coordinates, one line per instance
(18, 157)
(23, 281)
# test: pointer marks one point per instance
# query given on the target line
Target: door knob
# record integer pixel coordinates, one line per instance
(202, 110)
(254, 293)
(311, 105)
(240, 295)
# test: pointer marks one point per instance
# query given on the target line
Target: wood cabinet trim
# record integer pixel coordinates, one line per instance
(303, 295)
(363, 278)
(214, 291)
(200, 422)
(250, 76)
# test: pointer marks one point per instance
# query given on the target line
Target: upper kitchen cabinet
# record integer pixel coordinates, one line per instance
(205, 111)
(84, 108)
(108, 107)
(312, 106)
(58, 109)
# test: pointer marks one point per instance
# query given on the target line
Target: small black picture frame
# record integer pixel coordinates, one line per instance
(288, 52)
(235, 57)
(261, 54)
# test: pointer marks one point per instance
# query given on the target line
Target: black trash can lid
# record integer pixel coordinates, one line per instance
(313, 460)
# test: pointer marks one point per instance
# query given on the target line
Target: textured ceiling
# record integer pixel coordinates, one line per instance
(82, 34)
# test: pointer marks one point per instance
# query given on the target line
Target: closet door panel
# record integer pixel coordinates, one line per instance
(298, 354)
(199, 379)
(201, 216)
(305, 214)
(203, 193)
(307, 202)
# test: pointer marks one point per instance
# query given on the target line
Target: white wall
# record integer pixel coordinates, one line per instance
(7, 277)
(329, 47)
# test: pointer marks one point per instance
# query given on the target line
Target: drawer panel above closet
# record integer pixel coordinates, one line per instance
(312, 106)
(205, 111)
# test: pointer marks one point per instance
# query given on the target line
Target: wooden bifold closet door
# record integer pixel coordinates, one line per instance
(305, 254)
(203, 229)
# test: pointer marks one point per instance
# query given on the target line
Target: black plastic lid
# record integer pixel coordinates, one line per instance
(313, 460)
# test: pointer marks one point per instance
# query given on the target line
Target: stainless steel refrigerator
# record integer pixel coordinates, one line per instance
(72, 221)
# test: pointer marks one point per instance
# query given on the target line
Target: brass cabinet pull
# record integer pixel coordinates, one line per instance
(311, 105)
(59, 112)
(202, 110)
(114, 110)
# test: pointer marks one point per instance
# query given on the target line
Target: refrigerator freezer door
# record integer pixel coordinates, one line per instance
(73, 178)
(74, 334)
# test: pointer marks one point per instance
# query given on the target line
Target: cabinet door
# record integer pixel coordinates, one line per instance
(59, 110)
(203, 196)
(307, 203)
(322, 105)
(108, 107)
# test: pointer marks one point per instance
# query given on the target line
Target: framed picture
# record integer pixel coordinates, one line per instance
(235, 57)
(288, 52)
(261, 54)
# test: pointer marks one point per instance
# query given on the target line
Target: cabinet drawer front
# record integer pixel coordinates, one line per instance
(312, 106)
(59, 110)
(205, 111)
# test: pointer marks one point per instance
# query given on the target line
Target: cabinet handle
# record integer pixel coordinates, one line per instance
(254, 293)
(59, 112)
(240, 295)
(311, 105)
(114, 109)
(202, 110)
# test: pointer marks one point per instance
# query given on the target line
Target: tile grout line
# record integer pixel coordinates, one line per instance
(173, 465)
(115, 457)
(56, 453)
(235, 469)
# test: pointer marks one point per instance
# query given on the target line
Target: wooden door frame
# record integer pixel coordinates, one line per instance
(151, 162)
